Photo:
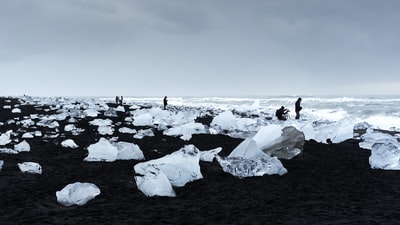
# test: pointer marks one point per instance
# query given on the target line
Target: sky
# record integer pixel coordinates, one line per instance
(199, 47)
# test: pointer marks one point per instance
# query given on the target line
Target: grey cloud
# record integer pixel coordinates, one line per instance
(272, 42)
(34, 27)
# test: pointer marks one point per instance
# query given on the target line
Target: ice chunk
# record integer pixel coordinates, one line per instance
(259, 166)
(208, 156)
(91, 113)
(267, 134)
(343, 130)
(77, 194)
(127, 151)
(5, 138)
(143, 133)
(74, 130)
(143, 120)
(180, 167)
(61, 116)
(126, 130)
(16, 110)
(247, 149)
(37, 133)
(30, 167)
(186, 130)
(101, 122)
(154, 182)
(103, 150)
(69, 127)
(385, 155)
(27, 122)
(186, 137)
(22, 147)
(228, 124)
(51, 135)
(335, 131)
(225, 121)
(1, 164)
(48, 123)
(369, 139)
(246, 124)
(287, 146)
(8, 151)
(321, 130)
(128, 119)
(248, 160)
(105, 130)
(69, 143)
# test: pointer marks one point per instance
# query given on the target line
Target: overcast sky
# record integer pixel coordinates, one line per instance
(199, 47)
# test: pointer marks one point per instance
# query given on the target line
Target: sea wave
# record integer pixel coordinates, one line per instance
(379, 111)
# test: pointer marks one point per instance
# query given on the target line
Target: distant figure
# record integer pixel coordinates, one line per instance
(121, 100)
(117, 100)
(297, 108)
(282, 113)
(165, 102)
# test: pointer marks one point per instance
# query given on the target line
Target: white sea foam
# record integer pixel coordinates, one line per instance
(380, 111)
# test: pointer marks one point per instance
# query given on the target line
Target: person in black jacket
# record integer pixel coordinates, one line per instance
(297, 108)
(282, 113)
(165, 102)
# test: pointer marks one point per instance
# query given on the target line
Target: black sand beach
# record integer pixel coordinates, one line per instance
(326, 184)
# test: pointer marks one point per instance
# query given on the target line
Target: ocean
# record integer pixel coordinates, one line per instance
(382, 112)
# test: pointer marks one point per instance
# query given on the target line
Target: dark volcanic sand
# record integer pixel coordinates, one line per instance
(326, 184)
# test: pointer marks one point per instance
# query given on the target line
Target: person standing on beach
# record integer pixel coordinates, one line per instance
(117, 99)
(297, 108)
(121, 100)
(165, 102)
